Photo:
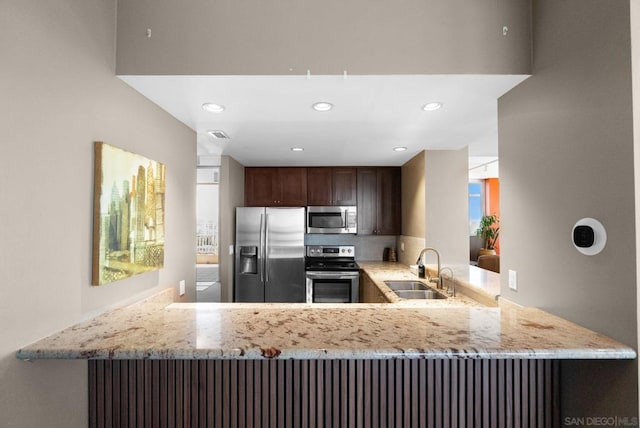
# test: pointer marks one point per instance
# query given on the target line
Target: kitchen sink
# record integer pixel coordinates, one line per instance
(413, 290)
(419, 294)
(406, 285)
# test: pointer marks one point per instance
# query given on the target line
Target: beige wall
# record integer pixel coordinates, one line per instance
(59, 95)
(409, 248)
(435, 206)
(413, 197)
(228, 37)
(231, 196)
(447, 205)
(635, 64)
(566, 152)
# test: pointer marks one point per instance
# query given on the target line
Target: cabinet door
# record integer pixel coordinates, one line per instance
(261, 187)
(319, 186)
(379, 297)
(369, 291)
(366, 289)
(344, 186)
(389, 200)
(367, 200)
(293, 187)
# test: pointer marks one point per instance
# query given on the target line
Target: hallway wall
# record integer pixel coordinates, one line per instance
(59, 94)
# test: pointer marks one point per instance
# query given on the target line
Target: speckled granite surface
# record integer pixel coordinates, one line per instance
(483, 292)
(156, 328)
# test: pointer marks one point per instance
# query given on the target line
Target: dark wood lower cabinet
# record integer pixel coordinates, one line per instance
(323, 393)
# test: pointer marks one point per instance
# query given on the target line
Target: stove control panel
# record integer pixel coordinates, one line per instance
(331, 251)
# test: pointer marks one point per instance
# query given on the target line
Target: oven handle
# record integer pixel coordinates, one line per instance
(332, 275)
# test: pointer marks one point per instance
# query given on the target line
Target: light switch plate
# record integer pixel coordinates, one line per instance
(231, 250)
(513, 280)
(183, 287)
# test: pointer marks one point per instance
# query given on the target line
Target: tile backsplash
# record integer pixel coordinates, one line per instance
(412, 247)
(368, 247)
(371, 247)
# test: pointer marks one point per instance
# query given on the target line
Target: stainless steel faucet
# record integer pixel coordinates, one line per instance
(451, 288)
(437, 278)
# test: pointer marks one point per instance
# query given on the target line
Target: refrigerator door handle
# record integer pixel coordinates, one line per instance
(261, 252)
(266, 246)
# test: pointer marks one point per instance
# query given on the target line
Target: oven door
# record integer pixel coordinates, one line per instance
(332, 287)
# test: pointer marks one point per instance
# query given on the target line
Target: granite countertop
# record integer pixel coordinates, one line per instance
(159, 329)
(474, 286)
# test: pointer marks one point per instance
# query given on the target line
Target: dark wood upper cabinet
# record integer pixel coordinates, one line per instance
(319, 186)
(375, 191)
(389, 201)
(379, 200)
(260, 186)
(267, 187)
(367, 200)
(345, 182)
(331, 186)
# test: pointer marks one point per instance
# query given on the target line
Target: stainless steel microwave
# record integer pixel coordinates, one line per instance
(332, 220)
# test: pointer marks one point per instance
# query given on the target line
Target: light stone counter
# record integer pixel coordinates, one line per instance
(474, 286)
(158, 329)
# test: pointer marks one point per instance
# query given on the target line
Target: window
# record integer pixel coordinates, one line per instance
(476, 205)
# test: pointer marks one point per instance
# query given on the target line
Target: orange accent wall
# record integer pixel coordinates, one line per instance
(492, 200)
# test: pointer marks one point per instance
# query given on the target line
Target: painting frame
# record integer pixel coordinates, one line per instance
(128, 214)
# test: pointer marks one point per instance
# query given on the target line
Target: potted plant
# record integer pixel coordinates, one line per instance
(488, 231)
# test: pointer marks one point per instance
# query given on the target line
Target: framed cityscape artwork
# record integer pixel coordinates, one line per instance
(128, 214)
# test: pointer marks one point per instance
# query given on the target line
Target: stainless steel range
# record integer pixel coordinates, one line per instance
(333, 276)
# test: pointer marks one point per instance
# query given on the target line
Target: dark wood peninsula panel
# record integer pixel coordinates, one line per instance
(318, 393)
(379, 190)
(275, 187)
(332, 186)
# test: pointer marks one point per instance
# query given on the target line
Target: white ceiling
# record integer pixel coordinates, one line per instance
(267, 115)
(481, 167)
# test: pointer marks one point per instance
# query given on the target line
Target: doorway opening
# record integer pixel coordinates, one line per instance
(207, 238)
(484, 199)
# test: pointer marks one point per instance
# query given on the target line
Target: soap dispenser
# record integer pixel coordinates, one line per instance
(421, 271)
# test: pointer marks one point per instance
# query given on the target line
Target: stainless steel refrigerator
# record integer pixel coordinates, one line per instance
(269, 255)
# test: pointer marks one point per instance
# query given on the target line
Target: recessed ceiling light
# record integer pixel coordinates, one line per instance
(431, 106)
(322, 106)
(399, 149)
(297, 149)
(212, 108)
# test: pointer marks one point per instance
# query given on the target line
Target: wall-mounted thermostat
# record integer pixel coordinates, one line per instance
(588, 236)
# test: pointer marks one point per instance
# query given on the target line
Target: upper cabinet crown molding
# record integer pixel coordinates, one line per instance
(252, 37)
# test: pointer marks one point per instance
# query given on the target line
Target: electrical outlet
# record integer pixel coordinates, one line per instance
(513, 280)
(183, 287)
(231, 250)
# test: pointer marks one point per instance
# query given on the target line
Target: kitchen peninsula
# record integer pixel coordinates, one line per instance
(397, 363)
